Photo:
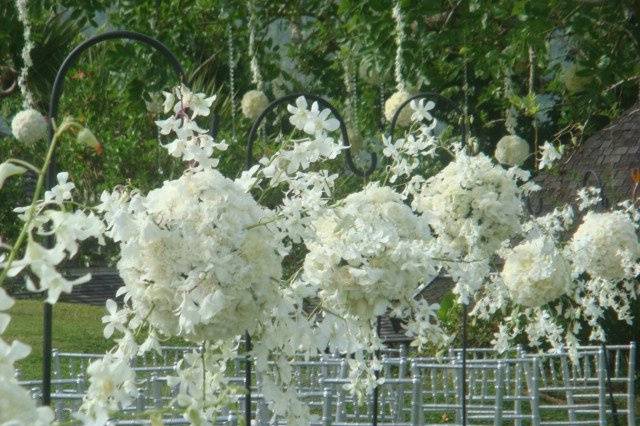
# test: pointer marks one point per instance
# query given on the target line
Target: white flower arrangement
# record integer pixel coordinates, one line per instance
(392, 105)
(370, 253)
(551, 287)
(511, 150)
(29, 126)
(253, 103)
(604, 245)
(536, 272)
(473, 203)
(194, 254)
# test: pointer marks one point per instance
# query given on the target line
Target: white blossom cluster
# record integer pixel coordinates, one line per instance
(191, 143)
(194, 254)
(49, 218)
(29, 126)
(16, 405)
(370, 253)
(253, 103)
(555, 281)
(474, 204)
(409, 152)
(512, 150)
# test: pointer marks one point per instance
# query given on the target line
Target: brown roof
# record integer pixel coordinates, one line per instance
(611, 153)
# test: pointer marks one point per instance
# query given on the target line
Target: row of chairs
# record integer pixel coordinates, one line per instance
(518, 388)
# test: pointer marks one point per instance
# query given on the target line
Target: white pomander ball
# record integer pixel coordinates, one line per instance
(536, 273)
(253, 103)
(604, 244)
(29, 126)
(370, 253)
(512, 150)
(393, 103)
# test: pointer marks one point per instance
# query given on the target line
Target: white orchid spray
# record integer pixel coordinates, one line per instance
(53, 227)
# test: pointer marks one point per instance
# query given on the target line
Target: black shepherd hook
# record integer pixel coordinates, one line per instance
(56, 93)
(437, 98)
(323, 104)
(603, 204)
(429, 96)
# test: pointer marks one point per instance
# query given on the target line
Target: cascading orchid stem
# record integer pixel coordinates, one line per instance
(66, 125)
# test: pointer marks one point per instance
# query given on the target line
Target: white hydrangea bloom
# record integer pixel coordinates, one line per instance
(253, 103)
(111, 385)
(194, 255)
(536, 272)
(511, 150)
(29, 126)
(604, 244)
(473, 204)
(369, 253)
(393, 103)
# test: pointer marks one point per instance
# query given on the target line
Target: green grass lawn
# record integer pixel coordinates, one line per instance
(76, 328)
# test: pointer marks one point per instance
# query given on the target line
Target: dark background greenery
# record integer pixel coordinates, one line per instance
(487, 39)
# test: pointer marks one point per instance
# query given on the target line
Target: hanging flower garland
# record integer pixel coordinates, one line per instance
(232, 82)
(401, 95)
(254, 101)
(28, 126)
(511, 150)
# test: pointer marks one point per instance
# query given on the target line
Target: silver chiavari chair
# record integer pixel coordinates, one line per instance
(228, 420)
(439, 386)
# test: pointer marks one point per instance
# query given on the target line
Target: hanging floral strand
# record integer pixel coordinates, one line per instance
(232, 87)
(23, 17)
(254, 101)
(28, 126)
(401, 95)
(398, 17)
(349, 79)
(511, 149)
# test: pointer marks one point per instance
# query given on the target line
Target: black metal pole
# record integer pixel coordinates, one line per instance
(247, 380)
(612, 400)
(54, 102)
(376, 373)
(464, 364)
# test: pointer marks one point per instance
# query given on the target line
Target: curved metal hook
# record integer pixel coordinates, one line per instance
(604, 201)
(12, 76)
(428, 96)
(324, 104)
(54, 102)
